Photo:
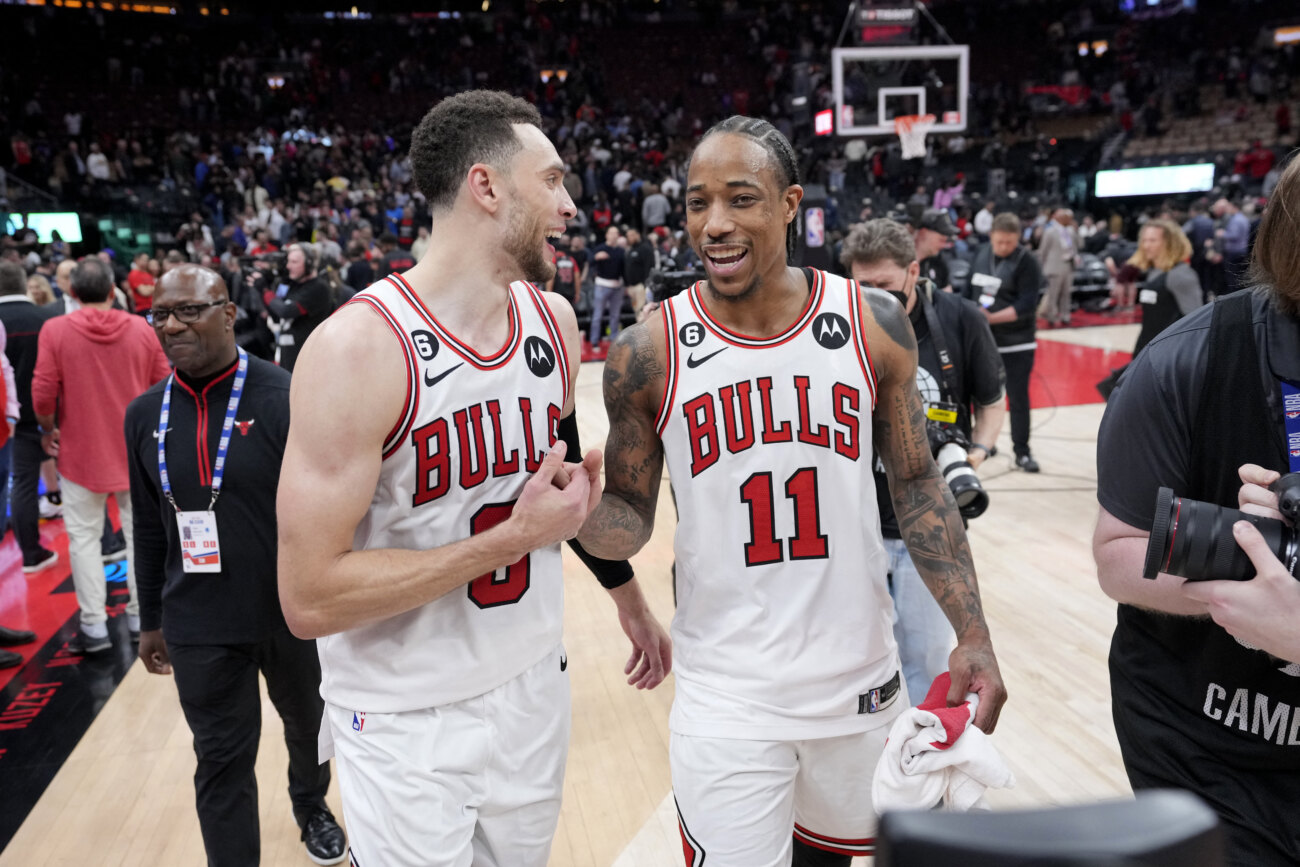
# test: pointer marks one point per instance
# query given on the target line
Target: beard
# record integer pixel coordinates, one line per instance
(740, 297)
(521, 243)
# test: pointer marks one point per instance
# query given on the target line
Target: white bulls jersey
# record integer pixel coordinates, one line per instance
(784, 621)
(472, 431)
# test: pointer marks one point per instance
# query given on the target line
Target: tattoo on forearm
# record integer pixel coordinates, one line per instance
(928, 518)
(633, 379)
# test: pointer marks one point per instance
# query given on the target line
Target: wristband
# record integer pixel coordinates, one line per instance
(983, 448)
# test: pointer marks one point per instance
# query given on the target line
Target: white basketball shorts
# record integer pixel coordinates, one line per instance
(741, 803)
(476, 782)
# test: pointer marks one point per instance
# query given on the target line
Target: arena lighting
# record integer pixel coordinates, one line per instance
(1160, 180)
(1286, 35)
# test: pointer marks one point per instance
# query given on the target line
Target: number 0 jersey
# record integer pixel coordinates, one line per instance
(784, 621)
(472, 431)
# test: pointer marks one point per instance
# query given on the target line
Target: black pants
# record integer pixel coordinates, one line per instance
(218, 688)
(1019, 365)
(24, 499)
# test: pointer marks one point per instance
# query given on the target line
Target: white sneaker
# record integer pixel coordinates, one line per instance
(50, 511)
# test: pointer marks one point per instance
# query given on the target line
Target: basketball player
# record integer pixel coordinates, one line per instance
(766, 388)
(423, 498)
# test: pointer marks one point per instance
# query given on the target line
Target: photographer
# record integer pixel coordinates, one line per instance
(881, 253)
(1194, 707)
(301, 303)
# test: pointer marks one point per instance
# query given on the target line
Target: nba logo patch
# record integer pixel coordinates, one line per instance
(1293, 415)
(358, 721)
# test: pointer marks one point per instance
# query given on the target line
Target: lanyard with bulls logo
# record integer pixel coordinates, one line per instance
(200, 548)
(1291, 418)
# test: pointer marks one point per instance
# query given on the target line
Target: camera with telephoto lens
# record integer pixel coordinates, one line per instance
(1194, 540)
(662, 284)
(949, 446)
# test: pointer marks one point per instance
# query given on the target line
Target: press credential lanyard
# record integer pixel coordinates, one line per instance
(1291, 418)
(200, 547)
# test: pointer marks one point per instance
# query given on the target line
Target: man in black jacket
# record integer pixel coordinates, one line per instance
(205, 554)
(22, 321)
(301, 304)
(1006, 281)
(881, 254)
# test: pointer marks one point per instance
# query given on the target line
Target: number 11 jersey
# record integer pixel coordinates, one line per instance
(783, 628)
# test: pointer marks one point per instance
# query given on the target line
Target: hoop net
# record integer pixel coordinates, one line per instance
(911, 129)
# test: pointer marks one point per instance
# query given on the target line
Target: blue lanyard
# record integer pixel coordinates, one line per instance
(218, 470)
(1291, 418)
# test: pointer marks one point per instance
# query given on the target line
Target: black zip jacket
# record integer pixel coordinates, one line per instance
(239, 604)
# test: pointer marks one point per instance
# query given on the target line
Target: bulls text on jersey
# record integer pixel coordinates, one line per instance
(744, 412)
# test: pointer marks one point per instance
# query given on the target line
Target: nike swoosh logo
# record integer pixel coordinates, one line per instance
(431, 381)
(169, 430)
(692, 361)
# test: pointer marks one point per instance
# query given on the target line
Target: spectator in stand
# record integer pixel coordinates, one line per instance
(140, 283)
(1199, 230)
(655, 210)
(393, 257)
(933, 234)
(639, 261)
(262, 243)
(1170, 289)
(582, 256)
(300, 305)
(40, 292)
(1233, 238)
(23, 319)
(566, 281)
(1058, 253)
(67, 302)
(608, 264)
(984, 221)
(89, 366)
(420, 244)
(97, 165)
(358, 272)
(602, 215)
(1283, 119)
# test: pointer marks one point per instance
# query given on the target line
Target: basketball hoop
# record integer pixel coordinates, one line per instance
(911, 129)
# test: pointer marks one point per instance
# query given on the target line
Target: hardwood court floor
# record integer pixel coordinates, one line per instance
(125, 795)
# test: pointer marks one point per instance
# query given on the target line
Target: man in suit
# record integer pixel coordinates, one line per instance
(1059, 253)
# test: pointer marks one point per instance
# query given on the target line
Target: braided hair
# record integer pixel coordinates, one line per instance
(778, 148)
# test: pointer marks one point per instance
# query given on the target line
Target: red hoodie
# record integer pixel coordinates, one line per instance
(89, 365)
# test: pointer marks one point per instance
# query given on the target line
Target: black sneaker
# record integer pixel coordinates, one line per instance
(9, 659)
(85, 645)
(323, 838)
(43, 560)
(1027, 463)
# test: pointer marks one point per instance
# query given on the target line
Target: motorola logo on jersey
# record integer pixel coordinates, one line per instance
(425, 344)
(831, 330)
(539, 356)
(691, 334)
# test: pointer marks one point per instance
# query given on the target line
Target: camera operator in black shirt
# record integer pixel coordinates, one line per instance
(1211, 403)
(300, 303)
(961, 379)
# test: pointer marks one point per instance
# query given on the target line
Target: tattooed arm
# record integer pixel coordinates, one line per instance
(634, 460)
(928, 519)
(634, 456)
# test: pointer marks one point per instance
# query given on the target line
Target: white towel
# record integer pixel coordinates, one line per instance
(934, 755)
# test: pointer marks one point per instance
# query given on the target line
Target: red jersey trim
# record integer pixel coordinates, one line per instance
(860, 339)
(744, 340)
(482, 362)
(861, 846)
(553, 328)
(670, 383)
(397, 435)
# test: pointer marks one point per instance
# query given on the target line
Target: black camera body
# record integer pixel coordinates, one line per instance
(665, 284)
(949, 446)
(1194, 540)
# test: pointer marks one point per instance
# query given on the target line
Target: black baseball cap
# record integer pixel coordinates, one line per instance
(936, 220)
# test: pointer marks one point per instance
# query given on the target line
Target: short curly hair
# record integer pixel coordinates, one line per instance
(471, 127)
